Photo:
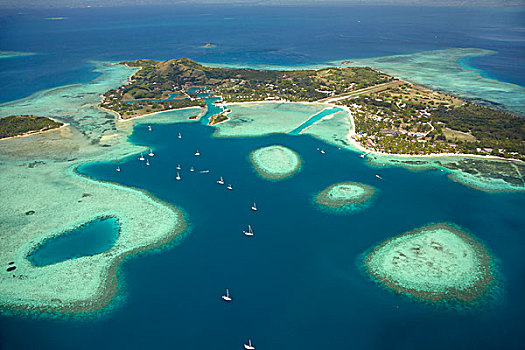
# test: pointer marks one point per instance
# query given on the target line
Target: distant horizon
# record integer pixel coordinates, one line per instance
(50, 4)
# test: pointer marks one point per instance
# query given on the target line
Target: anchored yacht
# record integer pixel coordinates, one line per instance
(197, 153)
(177, 177)
(180, 136)
(227, 296)
(192, 169)
(149, 127)
(141, 157)
(220, 181)
(379, 177)
(178, 167)
(254, 207)
(249, 232)
(229, 187)
(118, 168)
(147, 161)
(249, 346)
(151, 154)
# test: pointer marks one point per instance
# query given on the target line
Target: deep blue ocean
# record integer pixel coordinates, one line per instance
(262, 35)
(297, 284)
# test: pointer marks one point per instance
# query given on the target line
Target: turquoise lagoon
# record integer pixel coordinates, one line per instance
(298, 283)
(91, 238)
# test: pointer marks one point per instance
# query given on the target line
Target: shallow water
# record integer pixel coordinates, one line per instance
(91, 238)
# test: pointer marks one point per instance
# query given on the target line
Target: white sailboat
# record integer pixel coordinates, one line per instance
(178, 167)
(227, 296)
(147, 161)
(192, 169)
(249, 232)
(151, 154)
(229, 187)
(149, 127)
(322, 151)
(379, 177)
(254, 207)
(118, 168)
(177, 177)
(141, 157)
(249, 346)
(204, 171)
(197, 153)
(180, 136)
(220, 181)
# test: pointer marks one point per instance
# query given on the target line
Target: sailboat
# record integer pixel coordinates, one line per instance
(322, 151)
(177, 177)
(151, 154)
(192, 169)
(147, 161)
(178, 167)
(229, 187)
(249, 346)
(197, 153)
(220, 181)
(254, 207)
(180, 136)
(227, 296)
(141, 157)
(118, 168)
(249, 232)
(149, 127)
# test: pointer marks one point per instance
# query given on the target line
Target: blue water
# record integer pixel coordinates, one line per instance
(297, 283)
(91, 238)
(264, 35)
(315, 118)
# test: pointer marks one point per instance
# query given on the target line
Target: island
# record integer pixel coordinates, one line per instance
(344, 195)
(434, 263)
(275, 162)
(21, 125)
(389, 115)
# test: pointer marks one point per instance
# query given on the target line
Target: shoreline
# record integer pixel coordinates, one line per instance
(31, 133)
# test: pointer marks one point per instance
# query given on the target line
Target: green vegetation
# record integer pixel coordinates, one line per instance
(391, 116)
(410, 119)
(21, 124)
(164, 85)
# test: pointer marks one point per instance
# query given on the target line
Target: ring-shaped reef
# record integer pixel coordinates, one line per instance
(275, 162)
(434, 263)
(344, 196)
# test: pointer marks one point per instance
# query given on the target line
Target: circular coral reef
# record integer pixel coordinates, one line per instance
(433, 263)
(275, 162)
(344, 195)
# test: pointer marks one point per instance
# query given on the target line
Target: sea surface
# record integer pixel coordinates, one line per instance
(298, 283)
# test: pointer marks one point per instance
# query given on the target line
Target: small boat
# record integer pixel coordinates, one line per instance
(204, 171)
(229, 187)
(249, 346)
(151, 154)
(177, 177)
(379, 177)
(149, 127)
(180, 136)
(249, 232)
(178, 167)
(192, 169)
(197, 153)
(220, 181)
(141, 157)
(147, 161)
(254, 207)
(322, 151)
(227, 296)
(363, 154)
(118, 168)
